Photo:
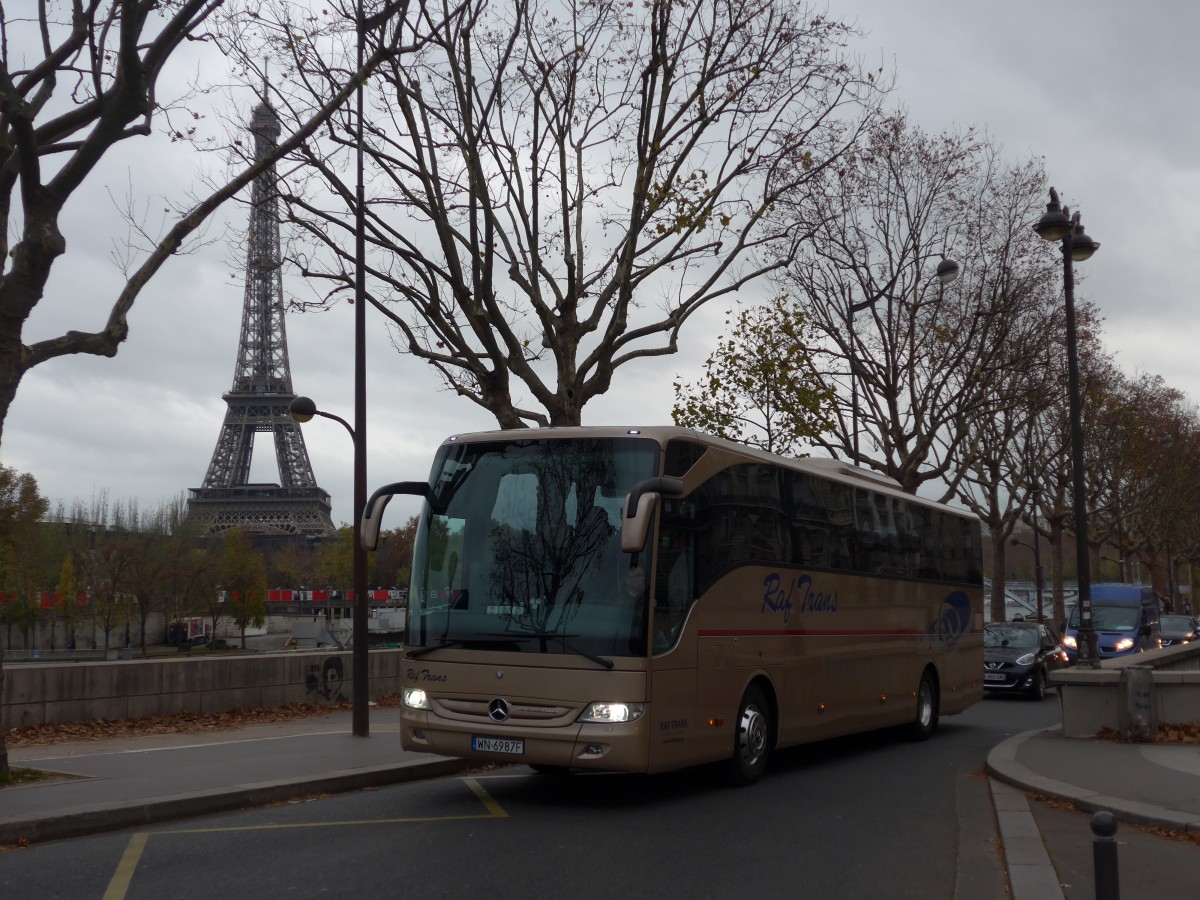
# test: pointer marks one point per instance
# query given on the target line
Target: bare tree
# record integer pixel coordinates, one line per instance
(1048, 453)
(77, 80)
(1001, 479)
(1139, 489)
(923, 359)
(556, 187)
(73, 89)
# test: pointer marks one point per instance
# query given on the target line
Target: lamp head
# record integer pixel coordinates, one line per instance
(947, 270)
(1054, 224)
(1082, 246)
(302, 409)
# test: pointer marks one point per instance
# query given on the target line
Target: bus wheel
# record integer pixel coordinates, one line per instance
(753, 739)
(925, 724)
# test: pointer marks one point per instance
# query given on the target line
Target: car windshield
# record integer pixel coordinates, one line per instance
(1010, 636)
(1175, 624)
(519, 549)
(1109, 618)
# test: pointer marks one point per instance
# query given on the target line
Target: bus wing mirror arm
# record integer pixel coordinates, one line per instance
(372, 516)
(639, 508)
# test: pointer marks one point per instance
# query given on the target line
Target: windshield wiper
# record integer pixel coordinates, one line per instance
(598, 660)
(429, 648)
(562, 639)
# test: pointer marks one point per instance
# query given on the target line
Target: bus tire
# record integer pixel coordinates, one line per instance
(753, 738)
(925, 724)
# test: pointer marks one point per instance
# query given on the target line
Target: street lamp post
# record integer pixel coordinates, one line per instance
(303, 409)
(947, 271)
(360, 718)
(1057, 224)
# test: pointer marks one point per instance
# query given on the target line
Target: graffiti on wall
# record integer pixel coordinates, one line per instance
(324, 681)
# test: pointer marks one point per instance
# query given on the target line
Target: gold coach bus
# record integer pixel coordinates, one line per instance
(645, 599)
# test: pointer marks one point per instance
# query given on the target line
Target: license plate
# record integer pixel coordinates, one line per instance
(497, 745)
(994, 676)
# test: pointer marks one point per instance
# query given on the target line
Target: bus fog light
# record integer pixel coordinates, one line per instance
(415, 698)
(601, 711)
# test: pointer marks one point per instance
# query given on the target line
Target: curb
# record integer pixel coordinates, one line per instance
(85, 820)
(1002, 765)
(1031, 875)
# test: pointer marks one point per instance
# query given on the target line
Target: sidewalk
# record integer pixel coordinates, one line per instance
(1155, 785)
(126, 782)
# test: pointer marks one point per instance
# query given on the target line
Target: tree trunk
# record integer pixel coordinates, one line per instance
(1056, 563)
(3, 725)
(997, 598)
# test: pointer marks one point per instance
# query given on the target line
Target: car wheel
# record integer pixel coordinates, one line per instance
(753, 738)
(1037, 690)
(925, 724)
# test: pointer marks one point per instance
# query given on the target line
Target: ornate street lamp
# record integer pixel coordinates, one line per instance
(1057, 224)
(303, 409)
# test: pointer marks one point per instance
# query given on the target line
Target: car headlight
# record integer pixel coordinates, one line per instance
(601, 711)
(1026, 659)
(415, 698)
(1069, 641)
(1123, 644)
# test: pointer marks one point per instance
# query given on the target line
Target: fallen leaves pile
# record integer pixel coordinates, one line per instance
(1169, 733)
(179, 723)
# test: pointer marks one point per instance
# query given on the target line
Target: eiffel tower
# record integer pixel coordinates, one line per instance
(261, 392)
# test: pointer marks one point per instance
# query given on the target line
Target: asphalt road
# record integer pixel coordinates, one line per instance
(873, 816)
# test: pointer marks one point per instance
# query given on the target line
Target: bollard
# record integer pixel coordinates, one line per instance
(1104, 856)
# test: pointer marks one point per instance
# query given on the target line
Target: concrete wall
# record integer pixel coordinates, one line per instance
(38, 693)
(1097, 699)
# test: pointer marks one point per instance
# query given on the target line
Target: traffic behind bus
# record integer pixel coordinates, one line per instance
(642, 600)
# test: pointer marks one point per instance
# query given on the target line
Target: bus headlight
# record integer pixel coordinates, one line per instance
(1123, 644)
(1069, 641)
(600, 711)
(415, 698)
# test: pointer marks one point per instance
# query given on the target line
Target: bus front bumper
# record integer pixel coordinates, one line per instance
(619, 747)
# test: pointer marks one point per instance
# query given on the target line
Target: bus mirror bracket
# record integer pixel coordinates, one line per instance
(368, 533)
(639, 509)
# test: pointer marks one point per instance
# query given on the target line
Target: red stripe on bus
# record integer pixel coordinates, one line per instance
(802, 632)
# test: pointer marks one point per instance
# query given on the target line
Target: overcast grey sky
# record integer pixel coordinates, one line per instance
(1100, 89)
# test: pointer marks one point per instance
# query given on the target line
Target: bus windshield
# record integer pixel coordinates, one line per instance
(519, 549)
(1109, 618)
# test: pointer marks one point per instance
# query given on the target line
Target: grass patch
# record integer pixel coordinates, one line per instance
(16, 776)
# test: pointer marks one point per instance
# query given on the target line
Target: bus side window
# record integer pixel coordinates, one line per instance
(676, 580)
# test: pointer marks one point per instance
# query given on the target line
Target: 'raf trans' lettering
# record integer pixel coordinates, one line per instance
(425, 676)
(800, 595)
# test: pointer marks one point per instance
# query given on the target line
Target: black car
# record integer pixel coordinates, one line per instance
(1177, 630)
(1017, 657)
